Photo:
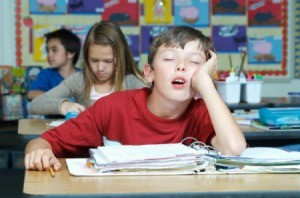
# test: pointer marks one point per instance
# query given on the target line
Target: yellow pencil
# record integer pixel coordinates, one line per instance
(52, 173)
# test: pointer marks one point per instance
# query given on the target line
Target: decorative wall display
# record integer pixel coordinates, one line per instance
(236, 27)
(123, 12)
(229, 38)
(225, 7)
(85, 6)
(265, 50)
(48, 6)
(133, 42)
(158, 11)
(195, 13)
(148, 33)
(264, 13)
(12, 80)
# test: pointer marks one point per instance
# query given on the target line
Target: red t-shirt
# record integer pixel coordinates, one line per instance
(123, 117)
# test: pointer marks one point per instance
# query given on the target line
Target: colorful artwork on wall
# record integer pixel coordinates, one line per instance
(194, 13)
(48, 7)
(85, 6)
(231, 7)
(125, 12)
(158, 11)
(264, 13)
(264, 50)
(229, 38)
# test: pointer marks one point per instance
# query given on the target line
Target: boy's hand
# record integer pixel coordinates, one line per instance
(68, 106)
(41, 160)
(210, 66)
(208, 69)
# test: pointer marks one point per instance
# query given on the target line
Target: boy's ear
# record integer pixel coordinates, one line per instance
(148, 73)
(71, 55)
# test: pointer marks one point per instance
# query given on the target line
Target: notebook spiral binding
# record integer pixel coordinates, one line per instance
(206, 150)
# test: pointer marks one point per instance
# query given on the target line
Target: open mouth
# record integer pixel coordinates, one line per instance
(178, 81)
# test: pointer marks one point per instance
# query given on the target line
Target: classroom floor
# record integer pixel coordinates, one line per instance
(11, 183)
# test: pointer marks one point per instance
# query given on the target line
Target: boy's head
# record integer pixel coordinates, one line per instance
(178, 37)
(69, 40)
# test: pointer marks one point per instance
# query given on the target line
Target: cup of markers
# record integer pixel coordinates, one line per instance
(229, 88)
(71, 114)
(251, 89)
(246, 88)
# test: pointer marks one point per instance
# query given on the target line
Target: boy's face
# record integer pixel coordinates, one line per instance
(174, 68)
(57, 55)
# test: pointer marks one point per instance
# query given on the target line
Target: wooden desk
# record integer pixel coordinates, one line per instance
(247, 106)
(266, 102)
(34, 127)
(281, 101)
(41, 183)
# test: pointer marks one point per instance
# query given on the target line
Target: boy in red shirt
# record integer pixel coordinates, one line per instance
(181, 63)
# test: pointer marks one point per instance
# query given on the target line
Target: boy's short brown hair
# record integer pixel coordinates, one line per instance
(178, 37)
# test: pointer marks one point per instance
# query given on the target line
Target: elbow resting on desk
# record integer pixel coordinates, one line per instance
(232, 148)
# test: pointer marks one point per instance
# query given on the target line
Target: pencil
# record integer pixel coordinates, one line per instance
(52, 173)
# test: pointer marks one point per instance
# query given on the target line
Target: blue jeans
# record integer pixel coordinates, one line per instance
(291, 147)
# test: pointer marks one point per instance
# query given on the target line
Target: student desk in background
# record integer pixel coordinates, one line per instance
(247, 185)
(266, 102)
(281, 101)
(32, 128)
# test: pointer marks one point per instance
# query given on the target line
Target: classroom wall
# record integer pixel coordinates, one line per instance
(281, 89)
(8, 57)
(7, 33)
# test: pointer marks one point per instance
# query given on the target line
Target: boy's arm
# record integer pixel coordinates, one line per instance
(39, 156)
(229, 138)
(37, 87)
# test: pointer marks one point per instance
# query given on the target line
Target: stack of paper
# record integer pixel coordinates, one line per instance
(262, 160)
(176, 159)
(152, 159)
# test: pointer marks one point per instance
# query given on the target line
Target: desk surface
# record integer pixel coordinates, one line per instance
(281, 101)
(34, 127)
(41, 183)
(267, 102)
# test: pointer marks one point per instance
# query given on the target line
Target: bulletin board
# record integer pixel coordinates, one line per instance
(258, 30)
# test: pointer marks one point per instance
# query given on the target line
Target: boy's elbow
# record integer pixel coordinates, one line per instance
(232, 148)
(235, 149)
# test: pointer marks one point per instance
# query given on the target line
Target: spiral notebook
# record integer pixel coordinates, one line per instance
(153, 159)
(179, 159)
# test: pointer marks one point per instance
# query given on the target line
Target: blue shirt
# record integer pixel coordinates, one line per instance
(46, 80)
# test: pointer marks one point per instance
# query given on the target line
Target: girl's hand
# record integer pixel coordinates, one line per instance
(68, 106)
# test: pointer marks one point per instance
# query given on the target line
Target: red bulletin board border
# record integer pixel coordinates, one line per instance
(18, 33)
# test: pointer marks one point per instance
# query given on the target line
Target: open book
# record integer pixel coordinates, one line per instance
(177, 159)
